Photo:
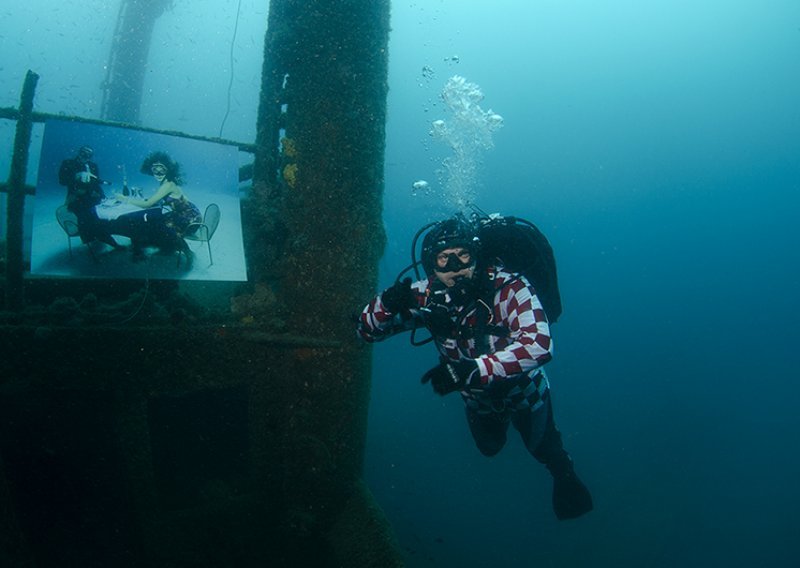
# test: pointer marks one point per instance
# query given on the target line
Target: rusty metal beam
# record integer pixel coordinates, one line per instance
(14, 293)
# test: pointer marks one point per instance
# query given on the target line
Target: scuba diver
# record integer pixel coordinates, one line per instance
(493, 336)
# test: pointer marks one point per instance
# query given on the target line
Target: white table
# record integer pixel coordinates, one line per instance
(110, 209)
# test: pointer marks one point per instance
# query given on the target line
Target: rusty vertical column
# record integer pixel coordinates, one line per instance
(127, 61)
(319, 190)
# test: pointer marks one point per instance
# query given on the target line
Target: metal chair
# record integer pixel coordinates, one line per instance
(205, 230)
(69, 223)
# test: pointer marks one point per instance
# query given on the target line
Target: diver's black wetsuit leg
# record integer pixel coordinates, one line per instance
(488, 431)
(571, 498)
(532, 425)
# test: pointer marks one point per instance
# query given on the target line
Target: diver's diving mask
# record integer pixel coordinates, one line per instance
(85, 154)
(158, 169)
(454, 261)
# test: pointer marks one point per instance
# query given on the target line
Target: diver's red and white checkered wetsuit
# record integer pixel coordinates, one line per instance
(511, 370)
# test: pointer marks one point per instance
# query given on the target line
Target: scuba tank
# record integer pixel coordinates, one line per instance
(520, 247)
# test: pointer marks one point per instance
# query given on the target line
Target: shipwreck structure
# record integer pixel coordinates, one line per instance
(139, 429)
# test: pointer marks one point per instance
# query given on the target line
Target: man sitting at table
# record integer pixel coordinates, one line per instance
(81, 176)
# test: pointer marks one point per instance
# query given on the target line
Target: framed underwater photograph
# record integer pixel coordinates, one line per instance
(117, 203)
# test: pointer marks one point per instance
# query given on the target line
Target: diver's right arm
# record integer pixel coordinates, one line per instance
(378, 320)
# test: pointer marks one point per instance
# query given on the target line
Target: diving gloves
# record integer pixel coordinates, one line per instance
(399, 297)
(450, 377)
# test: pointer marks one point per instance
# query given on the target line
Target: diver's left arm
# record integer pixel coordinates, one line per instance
(528, 345)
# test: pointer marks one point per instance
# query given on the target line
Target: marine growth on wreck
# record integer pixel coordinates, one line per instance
(179, 422)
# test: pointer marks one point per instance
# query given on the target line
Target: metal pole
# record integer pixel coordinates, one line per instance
(318, 235)
(127, 62)
(14, 297)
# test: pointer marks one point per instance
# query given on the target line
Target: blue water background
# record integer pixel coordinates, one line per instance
(657, 144)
